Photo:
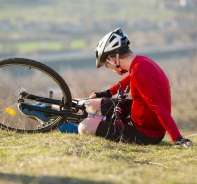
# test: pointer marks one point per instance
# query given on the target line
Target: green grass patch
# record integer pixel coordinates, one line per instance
(62, 11)
(30, 46)
(77, 44)
(69, 158)
(54, 20)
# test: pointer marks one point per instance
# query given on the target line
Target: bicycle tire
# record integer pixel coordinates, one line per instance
(19, 74)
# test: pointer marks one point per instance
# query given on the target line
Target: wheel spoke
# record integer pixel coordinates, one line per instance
(17, 75)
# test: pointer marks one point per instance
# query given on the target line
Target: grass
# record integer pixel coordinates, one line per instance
(33, 46)
(77, 44)
(71, 158)
(62, 11)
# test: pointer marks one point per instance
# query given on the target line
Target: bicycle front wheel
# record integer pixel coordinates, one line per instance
(18, 75)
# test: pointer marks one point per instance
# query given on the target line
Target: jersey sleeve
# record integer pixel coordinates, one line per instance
(148, 89)
(124, 82)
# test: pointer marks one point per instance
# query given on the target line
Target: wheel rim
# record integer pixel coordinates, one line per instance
(15, 78)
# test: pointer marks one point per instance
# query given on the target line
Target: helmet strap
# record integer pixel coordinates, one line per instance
(112, 63)
(117, 61)
(117, 64)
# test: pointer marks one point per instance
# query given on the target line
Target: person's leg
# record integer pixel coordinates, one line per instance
(132, 135)
(99, 127)
(92, 105)
(89, 126)
(84, 127)
(107, 130)
(99, 106)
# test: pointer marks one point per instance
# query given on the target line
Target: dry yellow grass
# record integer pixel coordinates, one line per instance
(57, 158)
(182, 74)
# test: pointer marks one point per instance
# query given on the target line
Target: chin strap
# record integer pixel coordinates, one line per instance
(117, 64)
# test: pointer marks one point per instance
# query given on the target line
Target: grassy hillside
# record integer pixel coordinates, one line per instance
(69, 158)
(37, 26)
(74, 11)
(65, 158)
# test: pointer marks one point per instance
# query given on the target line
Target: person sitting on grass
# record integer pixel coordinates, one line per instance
(147, 116)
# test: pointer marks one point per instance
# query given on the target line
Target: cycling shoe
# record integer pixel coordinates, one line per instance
(68, 128)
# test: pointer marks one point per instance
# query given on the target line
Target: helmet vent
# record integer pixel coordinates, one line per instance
(112, 38)
(116, 44)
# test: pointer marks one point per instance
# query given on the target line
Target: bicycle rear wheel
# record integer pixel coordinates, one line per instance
(20, 74)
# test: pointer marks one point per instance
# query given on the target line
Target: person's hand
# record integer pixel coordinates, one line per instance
(106, 94)
(183, 142)
(93, 95)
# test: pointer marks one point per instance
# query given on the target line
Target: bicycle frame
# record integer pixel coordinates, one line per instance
(65, 111)
(72, 113)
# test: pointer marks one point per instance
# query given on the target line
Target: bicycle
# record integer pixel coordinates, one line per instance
(26, 83)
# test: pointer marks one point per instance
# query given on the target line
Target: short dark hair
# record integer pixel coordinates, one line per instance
(124, 52)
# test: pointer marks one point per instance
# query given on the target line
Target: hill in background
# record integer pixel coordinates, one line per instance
(45, 26)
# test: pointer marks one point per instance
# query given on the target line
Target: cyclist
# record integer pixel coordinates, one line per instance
(150, 107)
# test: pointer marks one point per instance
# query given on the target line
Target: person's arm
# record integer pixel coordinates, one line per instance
(124, 82)
(113, 90)
(105, 93)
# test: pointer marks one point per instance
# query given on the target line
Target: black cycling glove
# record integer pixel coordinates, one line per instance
(183, 142)
(106, 94)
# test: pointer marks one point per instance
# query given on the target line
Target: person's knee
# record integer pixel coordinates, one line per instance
(88, 126)
(92, 105)
(82, 128)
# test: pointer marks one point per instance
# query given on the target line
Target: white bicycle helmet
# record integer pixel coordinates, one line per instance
(111, 43)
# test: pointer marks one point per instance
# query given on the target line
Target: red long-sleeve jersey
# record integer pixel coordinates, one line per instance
(150, 91)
